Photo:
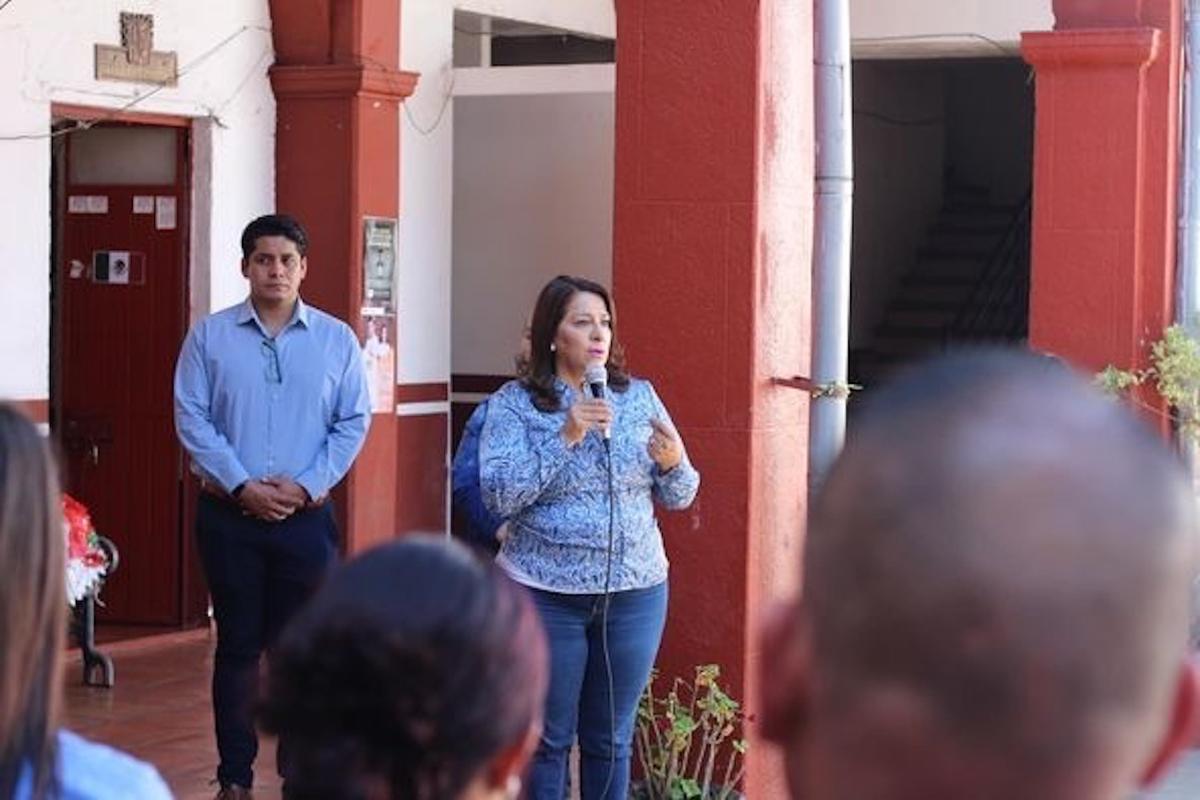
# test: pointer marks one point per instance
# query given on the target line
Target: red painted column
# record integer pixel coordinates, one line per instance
(1105, 179)
(337, 159)
(711, 275)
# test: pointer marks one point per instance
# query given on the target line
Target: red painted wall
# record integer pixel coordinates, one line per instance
(337, 160)
(711, 276)
(1105, 179)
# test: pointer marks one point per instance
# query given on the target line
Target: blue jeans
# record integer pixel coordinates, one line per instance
(578, 699)
(259, 575)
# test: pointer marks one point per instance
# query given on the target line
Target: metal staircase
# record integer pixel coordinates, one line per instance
(970, 283)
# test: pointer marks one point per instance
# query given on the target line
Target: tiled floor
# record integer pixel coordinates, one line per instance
(159, 710)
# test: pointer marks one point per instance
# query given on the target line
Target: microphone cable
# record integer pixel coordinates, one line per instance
(608, 563)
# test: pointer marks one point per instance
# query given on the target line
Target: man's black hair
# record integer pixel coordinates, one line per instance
(274, 225)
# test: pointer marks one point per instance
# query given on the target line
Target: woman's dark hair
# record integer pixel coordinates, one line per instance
(537, 372)
(413, 667)
(33, 607)
(274, 225)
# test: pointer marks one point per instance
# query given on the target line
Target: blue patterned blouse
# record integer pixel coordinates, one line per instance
(556, 497)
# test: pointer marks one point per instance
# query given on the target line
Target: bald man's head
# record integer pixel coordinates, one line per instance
(1001, 563)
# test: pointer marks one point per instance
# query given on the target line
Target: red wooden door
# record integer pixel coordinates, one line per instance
(121, 316)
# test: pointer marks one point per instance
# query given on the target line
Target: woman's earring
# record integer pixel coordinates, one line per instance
(553, 347)
(512, 787)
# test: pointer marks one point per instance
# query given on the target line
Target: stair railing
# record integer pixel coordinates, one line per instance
(997, 306)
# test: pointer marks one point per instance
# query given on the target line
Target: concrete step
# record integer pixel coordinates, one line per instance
(976, 214)
(966, 192)
(949, 266)
(966, 223)
(982, 241)
(944, 294)
(903, 346)
(933, 322)
(974, 249)
(912, 301)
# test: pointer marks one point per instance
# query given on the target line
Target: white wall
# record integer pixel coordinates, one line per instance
(46, 56)
(897, 179)
(594, 17)
(426, 178)
(943, 27)
(533, 198)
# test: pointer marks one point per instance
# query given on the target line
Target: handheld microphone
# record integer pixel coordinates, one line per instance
(596, 377)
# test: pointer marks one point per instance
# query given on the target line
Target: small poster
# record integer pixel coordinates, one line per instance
(379, 361)
(164, 213)
(87, 204)
(379, 262)
(118, 266)
(143, 204)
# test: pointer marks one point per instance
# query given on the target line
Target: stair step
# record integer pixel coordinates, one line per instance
(966, 190)
(955, 267)
(891, 331)
(911, 301)
(906, 348)
(973, 250)
(958, 210)
(933, 321)
(982, 240)
(966, 223)
(946, 294)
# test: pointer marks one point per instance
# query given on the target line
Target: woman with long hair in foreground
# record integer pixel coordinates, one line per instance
(38, 759)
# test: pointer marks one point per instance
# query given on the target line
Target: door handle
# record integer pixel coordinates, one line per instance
(95, 453)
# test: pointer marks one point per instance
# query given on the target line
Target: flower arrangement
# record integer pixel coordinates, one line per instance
(87, 562)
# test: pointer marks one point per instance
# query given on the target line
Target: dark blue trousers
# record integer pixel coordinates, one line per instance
(578, 699)
(259, 574)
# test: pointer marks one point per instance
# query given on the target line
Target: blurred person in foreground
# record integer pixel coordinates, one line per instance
(996, 597)
(38, 758)
(434, 692)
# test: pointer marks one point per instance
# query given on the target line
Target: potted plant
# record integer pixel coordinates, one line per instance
(1174, 372)
(689, 741)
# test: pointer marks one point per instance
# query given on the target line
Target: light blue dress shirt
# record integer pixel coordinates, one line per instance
(90, 771)
(248, 406)
(556, 497)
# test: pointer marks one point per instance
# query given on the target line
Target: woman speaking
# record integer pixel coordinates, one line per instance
(574, 458)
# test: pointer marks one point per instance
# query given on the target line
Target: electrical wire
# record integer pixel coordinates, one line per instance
(4, 5)
(918, 37)
(82, 125)
(446, 98)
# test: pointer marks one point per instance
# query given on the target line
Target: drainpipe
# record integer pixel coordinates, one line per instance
(831, 248)
(1187, 303)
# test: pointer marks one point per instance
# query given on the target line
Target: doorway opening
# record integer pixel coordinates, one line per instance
(943, 174)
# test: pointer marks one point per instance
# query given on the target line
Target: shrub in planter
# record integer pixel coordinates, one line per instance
(689, 741)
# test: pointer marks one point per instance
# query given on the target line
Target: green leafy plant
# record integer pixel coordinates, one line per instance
(689, 741)
(1174, 372)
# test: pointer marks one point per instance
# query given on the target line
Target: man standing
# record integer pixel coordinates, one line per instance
(271, 403)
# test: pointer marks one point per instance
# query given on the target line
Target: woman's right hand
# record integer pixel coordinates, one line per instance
(585, 415)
